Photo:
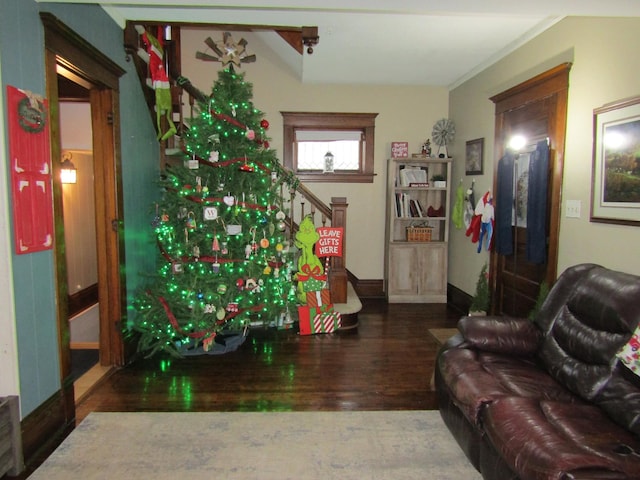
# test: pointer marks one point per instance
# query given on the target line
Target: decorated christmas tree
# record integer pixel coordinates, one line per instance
(224, 256)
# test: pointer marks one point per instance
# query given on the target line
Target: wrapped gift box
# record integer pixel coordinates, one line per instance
(318, 319)
(319, 298)
(311, 278)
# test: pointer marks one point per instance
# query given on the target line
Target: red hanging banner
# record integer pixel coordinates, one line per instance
(29, 157)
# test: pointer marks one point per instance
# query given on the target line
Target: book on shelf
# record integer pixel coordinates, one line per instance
(408, 207)
(412, 174)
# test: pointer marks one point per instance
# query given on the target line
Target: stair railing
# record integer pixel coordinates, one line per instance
(335, 214)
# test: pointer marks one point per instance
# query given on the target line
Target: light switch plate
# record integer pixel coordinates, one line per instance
(573, 208)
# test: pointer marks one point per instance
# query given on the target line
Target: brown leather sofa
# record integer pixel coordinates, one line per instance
(548, 398)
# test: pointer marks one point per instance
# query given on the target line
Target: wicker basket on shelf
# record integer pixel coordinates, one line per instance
(419, 234)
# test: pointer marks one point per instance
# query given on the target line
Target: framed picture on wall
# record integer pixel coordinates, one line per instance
(615, 192)
(474, 157)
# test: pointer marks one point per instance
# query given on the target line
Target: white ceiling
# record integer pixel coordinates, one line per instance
(401, 42)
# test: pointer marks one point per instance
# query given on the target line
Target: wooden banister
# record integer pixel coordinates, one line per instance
(338, 272)
(336, 214)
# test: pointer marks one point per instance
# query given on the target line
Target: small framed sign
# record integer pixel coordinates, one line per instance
(399, 149)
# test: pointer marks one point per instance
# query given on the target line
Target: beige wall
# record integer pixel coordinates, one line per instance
(605, 65)
(404, 114)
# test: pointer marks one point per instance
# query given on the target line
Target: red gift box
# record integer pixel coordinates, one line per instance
(319, 298)
(318, 320)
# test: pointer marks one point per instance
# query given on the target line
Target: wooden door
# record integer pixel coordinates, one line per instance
(535, 109)
(81, 62)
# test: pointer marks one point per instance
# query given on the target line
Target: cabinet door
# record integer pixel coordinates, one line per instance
(432, 268)
(403, 270)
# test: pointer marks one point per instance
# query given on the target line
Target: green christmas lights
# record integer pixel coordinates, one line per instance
(204, 287)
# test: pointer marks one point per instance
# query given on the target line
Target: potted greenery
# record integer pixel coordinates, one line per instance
(542, 296)
(439, 181)
(480, 301)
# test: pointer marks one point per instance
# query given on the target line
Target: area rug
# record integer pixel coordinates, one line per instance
(266, 446)
(442, 334)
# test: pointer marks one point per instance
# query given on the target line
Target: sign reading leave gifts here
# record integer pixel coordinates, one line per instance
(330, 242)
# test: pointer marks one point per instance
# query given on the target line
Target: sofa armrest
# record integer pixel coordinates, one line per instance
(517, 336)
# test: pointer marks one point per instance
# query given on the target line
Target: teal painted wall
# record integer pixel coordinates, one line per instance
(22, 56)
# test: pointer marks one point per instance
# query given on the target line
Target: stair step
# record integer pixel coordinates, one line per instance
(349, 310)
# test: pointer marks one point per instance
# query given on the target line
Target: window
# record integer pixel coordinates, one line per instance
(329, 147)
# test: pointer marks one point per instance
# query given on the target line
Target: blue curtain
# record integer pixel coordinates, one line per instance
(504, 205)
(536, 248)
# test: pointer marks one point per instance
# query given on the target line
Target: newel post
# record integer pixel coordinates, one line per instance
(338, 272)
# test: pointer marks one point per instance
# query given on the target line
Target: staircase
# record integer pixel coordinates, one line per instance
(343, 294)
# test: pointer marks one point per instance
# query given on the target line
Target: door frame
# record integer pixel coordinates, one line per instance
(553, 83)
(65, 48)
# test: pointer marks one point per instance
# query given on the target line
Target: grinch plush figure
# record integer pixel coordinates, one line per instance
(154, 56)
(310, 274)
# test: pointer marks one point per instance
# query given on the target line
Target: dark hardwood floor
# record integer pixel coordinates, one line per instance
(386, 364)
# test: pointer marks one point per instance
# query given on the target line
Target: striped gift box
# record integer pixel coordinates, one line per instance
(326, 322)
(318, 319)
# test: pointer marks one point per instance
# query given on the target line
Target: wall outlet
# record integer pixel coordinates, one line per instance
(572, 208)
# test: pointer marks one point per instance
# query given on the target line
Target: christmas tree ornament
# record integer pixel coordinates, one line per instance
(214, 156)
(245, 167)
(229, 200)
(240, 284)
(210, 213)
(264, 124)
(250, 284)
(192, 163)
(215, 245)
(251, 135)
(199, 184)
(191, 221)
(165, 217)
(215, 266)
(232, 307)
(234, 229)
(221, 313)
(222, 289)
(281, 226)
(225, 248)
